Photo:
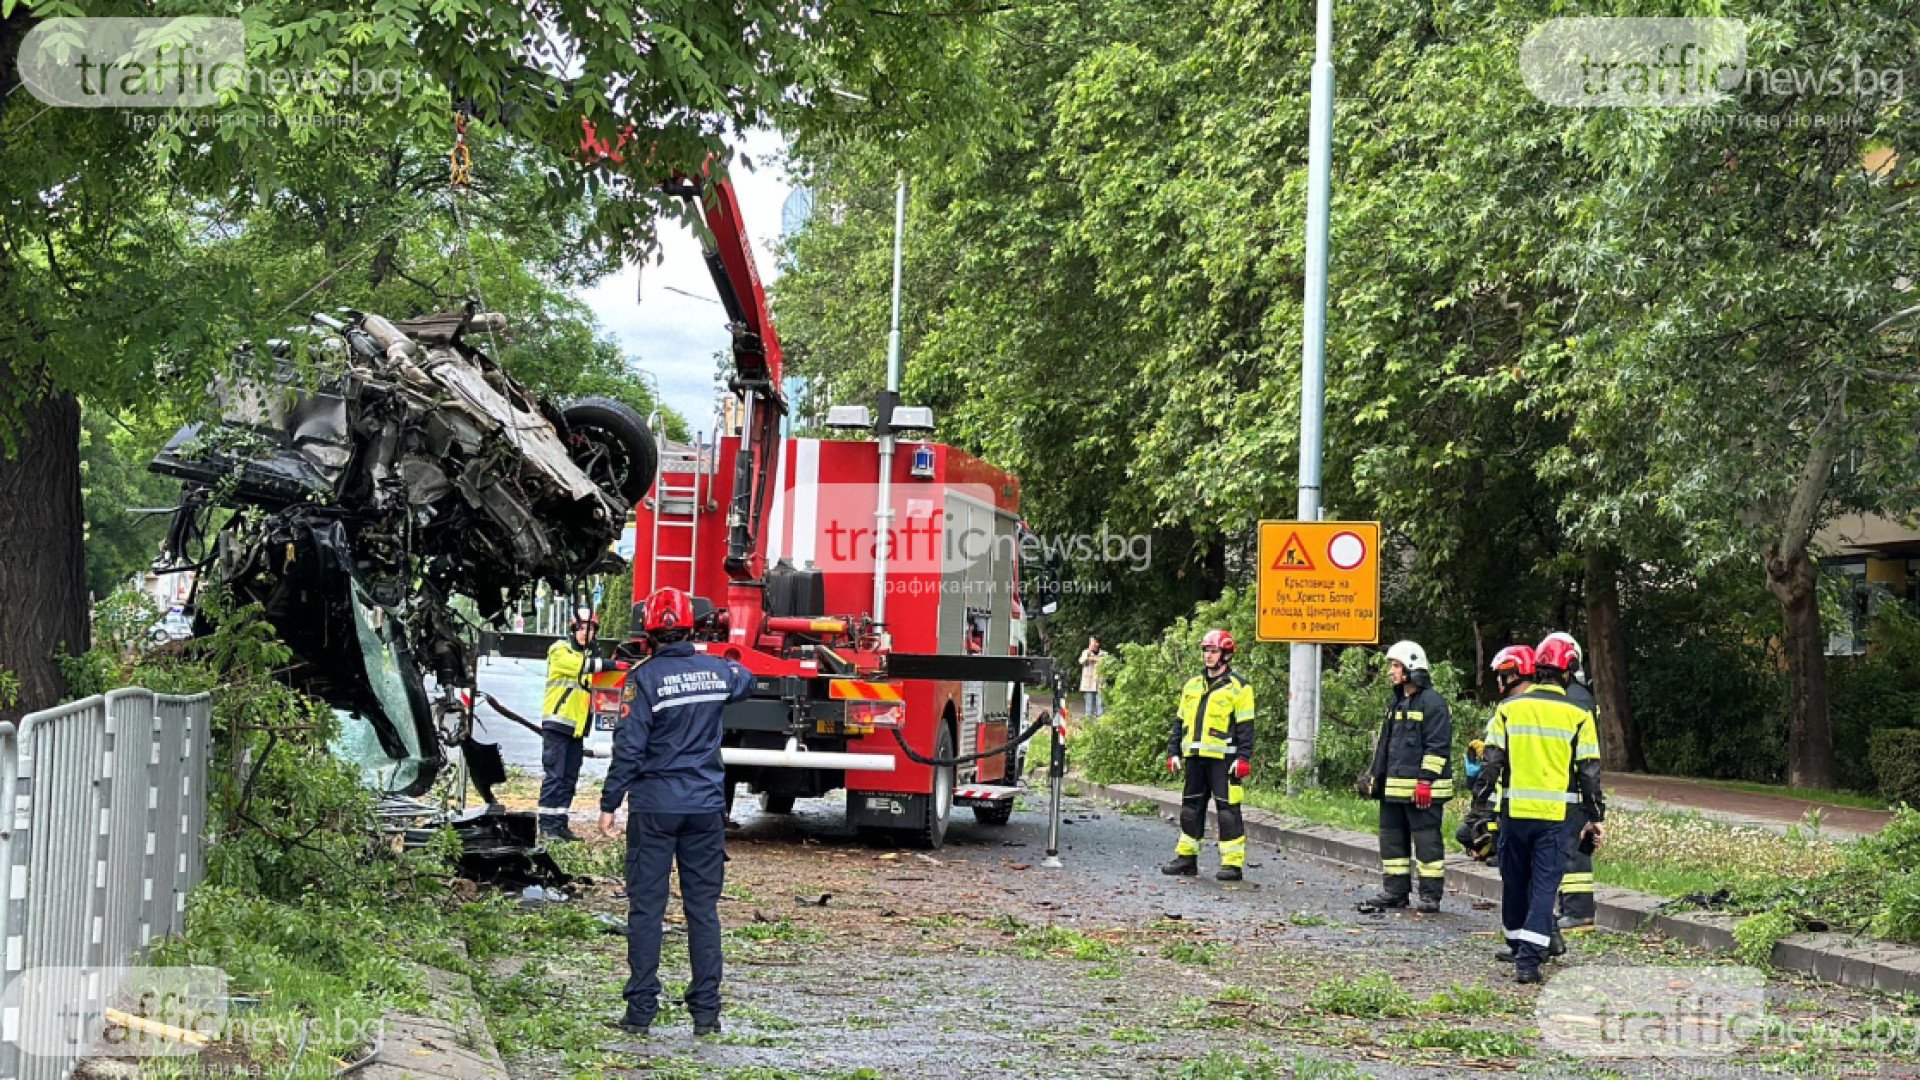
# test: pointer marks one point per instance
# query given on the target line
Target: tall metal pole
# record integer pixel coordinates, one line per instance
(883, 509)
(1303, 698)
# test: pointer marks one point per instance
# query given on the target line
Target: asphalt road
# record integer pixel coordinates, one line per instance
(976, 961)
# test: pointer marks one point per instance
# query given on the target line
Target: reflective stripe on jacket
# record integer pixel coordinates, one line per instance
(666, 749)
(1543, 736)
(1415, 744)
(1215, 719)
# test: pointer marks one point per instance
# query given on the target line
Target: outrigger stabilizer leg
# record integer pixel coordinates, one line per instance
(1056, 772)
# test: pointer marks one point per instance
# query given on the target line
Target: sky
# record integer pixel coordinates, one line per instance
(674, 336)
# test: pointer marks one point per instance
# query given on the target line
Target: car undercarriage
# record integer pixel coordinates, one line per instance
(364, 475)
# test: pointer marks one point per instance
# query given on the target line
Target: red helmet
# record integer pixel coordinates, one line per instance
(669, 609)
(1515, 659)
(1558, 651)
(1218, 639)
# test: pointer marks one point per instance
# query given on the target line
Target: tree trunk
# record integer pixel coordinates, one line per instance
(42, 566)
(1792, 580)
(1607, 666)
(1482, 684)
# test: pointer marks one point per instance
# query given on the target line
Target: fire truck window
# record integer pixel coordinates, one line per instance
(977, 622)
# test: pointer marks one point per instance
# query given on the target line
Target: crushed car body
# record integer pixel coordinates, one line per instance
(363, 475)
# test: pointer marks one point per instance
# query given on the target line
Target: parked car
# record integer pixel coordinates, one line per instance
(173, 626)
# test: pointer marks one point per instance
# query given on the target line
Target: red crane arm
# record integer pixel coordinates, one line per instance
(756, 361)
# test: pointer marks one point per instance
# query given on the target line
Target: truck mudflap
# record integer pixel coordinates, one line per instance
(886, 810)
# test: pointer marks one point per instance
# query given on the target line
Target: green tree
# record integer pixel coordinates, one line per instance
(112, 286)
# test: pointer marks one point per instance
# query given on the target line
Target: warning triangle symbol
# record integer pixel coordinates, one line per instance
(1293, 555)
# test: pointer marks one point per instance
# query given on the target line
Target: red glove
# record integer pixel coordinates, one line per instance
(1173, 764)
(622, 665)
(1423, 794)
(1241, 768)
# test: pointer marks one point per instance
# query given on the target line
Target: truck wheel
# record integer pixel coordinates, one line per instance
(771, 803)
(933, 832)
(611, 444)
(997, 814)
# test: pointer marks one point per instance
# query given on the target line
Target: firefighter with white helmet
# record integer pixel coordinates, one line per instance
(1558, 660)
(571, 666)
(1412, 776)
(1213, 742)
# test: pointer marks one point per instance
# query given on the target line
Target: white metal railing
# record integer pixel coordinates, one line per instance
(103, 823)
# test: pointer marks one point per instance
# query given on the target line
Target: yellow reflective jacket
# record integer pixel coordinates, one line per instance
(1215, 719)
(1544, 738)
(568, 693)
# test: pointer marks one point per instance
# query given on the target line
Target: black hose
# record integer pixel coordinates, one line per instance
(524, 722)
(1045, 721)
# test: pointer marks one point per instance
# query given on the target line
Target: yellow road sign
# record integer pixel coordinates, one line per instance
(1319, 582)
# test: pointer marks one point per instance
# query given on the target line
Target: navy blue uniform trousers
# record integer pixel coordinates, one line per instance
(560, 757)
(1533, 855)
(698, 842)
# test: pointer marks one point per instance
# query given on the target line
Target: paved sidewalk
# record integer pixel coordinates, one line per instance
(1634, 791)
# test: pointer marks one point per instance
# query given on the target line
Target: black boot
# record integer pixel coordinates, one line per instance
(1182, 866)
(1526, 975)
(1227, 873)
(555, 827)
(1572, 922)
(1427, 905)
(1505, 955)
(1557, 946)
(1383, 902)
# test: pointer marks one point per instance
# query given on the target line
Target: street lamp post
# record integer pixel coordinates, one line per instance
(1303, 677)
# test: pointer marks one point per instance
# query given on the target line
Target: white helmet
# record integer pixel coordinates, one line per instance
(1560, 650)
(1410, 654)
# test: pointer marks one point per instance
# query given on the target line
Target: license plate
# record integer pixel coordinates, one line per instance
(606, 721)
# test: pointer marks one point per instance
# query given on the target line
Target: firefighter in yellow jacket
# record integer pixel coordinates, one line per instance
(1544, 750)
(563, 721)
(1213, 737)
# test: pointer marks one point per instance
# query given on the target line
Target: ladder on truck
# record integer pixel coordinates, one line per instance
(679, 498)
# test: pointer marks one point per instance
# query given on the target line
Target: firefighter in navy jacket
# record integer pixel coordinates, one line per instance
(1412, 776)
(666, 766)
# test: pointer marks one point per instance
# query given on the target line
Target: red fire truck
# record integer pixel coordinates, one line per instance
(871, 585)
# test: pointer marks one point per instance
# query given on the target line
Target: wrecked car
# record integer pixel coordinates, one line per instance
(367, 472)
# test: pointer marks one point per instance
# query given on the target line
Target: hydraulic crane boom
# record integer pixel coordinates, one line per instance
(756, 361)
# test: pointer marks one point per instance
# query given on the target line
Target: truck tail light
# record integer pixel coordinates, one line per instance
(864, 718)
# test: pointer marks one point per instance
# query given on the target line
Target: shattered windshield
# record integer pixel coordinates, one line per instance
(359, 740)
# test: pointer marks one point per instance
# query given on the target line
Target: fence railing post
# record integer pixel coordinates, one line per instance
(102, 833)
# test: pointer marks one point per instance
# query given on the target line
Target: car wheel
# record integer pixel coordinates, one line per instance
(611, 444)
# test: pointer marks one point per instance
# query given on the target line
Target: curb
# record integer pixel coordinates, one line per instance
(1844, 959)
(455, 1045)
